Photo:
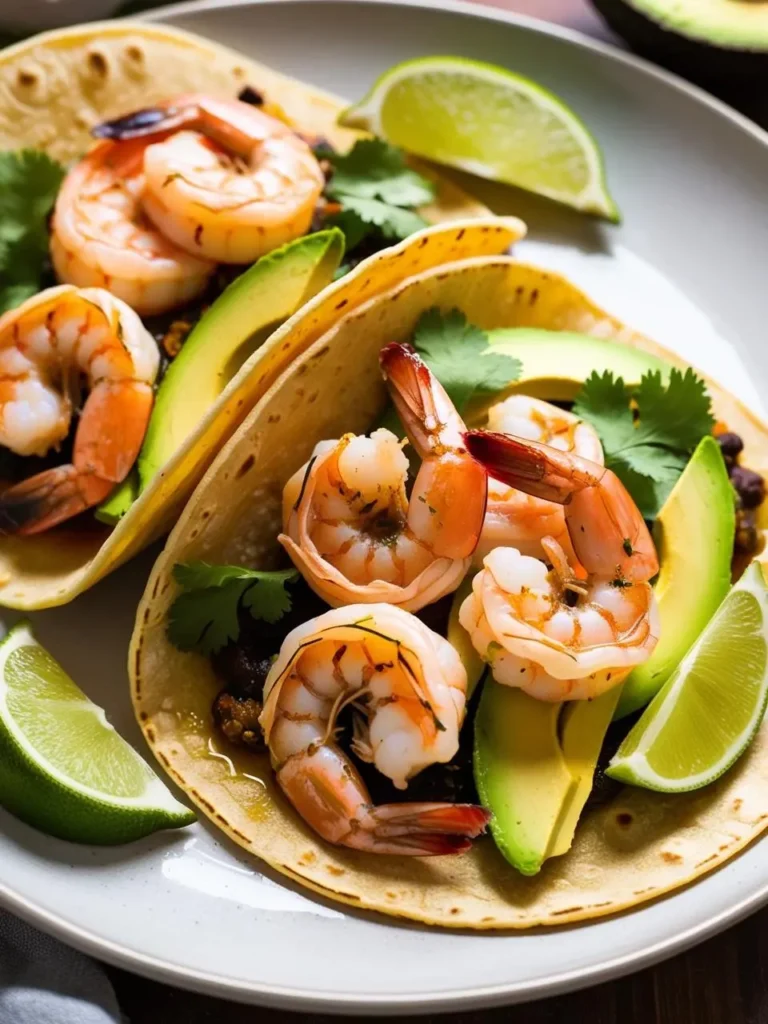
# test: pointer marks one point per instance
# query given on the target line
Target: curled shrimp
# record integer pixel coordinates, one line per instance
(608, 533)
(349, 526)
(568, 632)
(101, 236)
(226, 181)
(408, 688)
(514, 518)
(46, 346)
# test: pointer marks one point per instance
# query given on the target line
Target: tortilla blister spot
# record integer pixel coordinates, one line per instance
(610, 867)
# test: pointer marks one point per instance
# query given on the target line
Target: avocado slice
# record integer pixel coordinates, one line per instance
(458, 638)
(120, 500)
(694, 534)
(719, 41)
(521, 773)
(227, 334)
(534, 764)
(583, 725)
(556, 363)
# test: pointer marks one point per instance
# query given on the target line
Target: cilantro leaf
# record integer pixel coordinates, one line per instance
(358, 216)
(677, 416)
(29, 183)
(648, 447)
(460, 357)
(373, 169)
(205, 617)
(376, 191)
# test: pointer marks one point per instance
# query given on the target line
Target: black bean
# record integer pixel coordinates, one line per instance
(749, 485)
(747, 536)
(251, 95)
(242, 669)
(731, 445)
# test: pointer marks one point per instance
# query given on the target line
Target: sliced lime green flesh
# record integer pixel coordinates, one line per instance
(708, 711)
(695, 553)
(65, 769)
(491, 122)
(228, 333)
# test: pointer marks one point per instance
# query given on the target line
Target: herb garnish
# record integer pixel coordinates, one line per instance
(377, 192)
(460, 356)
(649, 432)
(29, 184)
(205, 616)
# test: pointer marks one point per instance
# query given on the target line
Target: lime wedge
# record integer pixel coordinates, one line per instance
(708, 711)
(490, 122)
(64, 768)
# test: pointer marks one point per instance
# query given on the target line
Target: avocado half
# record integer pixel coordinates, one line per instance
(714, 43)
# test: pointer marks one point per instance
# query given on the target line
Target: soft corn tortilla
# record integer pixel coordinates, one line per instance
(639, 846)
(53, 89)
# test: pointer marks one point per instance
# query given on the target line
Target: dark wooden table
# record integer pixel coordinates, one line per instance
(722, 981)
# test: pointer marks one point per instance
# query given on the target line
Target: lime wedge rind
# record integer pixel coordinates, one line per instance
(594, 198)
(35, 790)
(631, 763)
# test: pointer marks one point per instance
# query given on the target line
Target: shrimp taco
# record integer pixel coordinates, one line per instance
(191, 213)
(373, 652)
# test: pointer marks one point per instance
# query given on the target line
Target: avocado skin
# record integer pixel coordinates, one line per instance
(706, 63)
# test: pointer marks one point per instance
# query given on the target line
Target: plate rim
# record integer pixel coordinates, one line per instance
(292, 998)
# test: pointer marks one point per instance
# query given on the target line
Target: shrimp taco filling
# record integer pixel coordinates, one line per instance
(151, 230)
(476, 548)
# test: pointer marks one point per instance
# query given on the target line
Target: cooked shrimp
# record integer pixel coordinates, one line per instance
(608, 534)
(101, 236)
(572, 631)
(554, 642)
(349, 526)
(514, 518)
(407, 687)
(226, 182)
(46, 345)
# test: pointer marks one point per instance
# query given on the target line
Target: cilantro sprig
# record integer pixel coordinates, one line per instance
(377, 192)
(29, 184)
(649, 432)
(205, 616)
(460, 356)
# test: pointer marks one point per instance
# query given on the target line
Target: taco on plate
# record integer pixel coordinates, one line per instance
(191, 215)
(355, 656)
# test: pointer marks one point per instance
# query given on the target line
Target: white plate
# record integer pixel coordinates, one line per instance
(688, 267)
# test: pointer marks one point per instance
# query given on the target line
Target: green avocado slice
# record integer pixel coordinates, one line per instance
(227, 334)
(533, 761)
(694, 534)
(720, 40)
(556, 363)
(521, 774)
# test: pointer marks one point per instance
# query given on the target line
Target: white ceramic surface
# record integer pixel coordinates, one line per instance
(688, 267)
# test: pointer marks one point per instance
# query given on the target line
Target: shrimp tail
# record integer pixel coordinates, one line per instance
(425, 830)
(414, 392)
(606, 528)
(466, 820)
(48, 498)
(518, 464)
(141, 123)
